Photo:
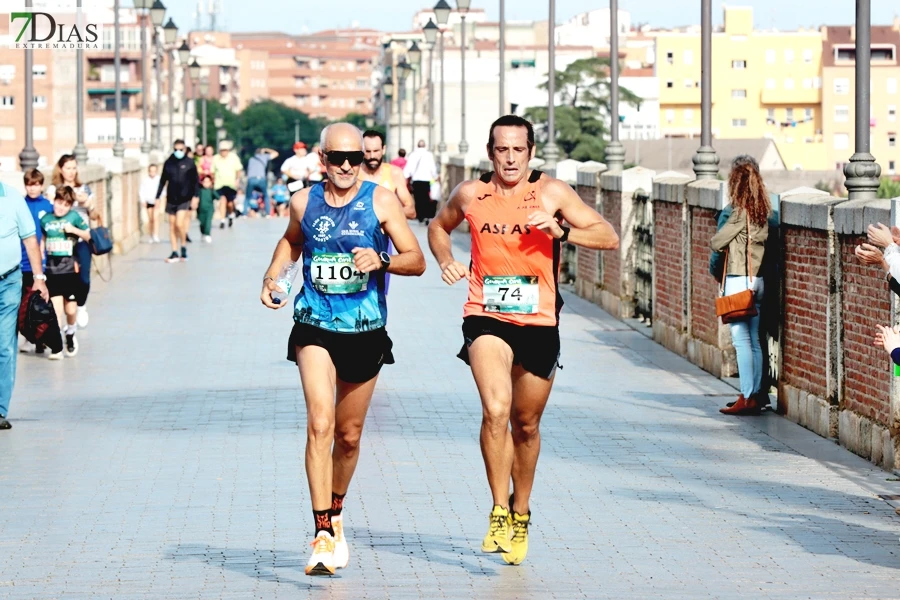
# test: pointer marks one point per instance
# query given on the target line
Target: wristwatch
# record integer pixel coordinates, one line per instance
(40, 277)
(385, 260)
(565, 234)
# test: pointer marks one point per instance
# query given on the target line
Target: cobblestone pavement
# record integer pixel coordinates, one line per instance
(166, 461)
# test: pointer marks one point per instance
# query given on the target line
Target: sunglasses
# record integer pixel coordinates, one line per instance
(338, 157)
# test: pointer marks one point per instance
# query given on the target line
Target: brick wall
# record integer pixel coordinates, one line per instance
(704, 322)
(805, 309)
(588, 261)
(668, 260)
(866, 302)
(612, 212)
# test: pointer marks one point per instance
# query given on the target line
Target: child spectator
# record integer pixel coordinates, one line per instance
(147, 194)
(282, 197)
(39, 206)
(206, 207)
(62, 229)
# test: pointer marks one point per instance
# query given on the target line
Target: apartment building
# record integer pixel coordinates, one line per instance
(766, 84)
(839, 93)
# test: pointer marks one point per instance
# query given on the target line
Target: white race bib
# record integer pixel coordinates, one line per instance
(517, 294)
(335, 273)
(59, 247)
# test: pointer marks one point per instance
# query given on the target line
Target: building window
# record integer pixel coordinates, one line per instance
(892, 112)
(817, 83)
(807, 56)
(845, 54)
(39, 101)
(891, 167)
(7, 133)
(789, 114)
(841, 141)
(670, 58)
(738, 93)
(770, 84)
(739, 122)
(808, 114)
(739, 64)
(789, 55)
(670, 84)
(689, 115)
(883, 54)
(770, 57)
(841, 85)
(670, 115)
(688, 57)
(770, 114)
(892, 140)
(842, 113)
(40, 71)
(892, 85)
(7, 102)
(807, 83)
(688, 83)
(788, 84)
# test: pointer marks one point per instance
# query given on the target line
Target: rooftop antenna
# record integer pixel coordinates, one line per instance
(213, 12)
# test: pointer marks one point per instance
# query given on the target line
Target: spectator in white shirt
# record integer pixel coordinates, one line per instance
(295, 168)
(422, 170)
(147, 194)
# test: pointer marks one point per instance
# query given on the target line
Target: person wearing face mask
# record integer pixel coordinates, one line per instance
(179, 177)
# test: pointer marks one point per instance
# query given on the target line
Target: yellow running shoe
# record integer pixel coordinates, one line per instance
(519, 539)
(497, 538)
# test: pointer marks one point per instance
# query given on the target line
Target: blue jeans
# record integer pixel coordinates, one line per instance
(257, 183)
(82, 252)
(745, 336)
(10, 298)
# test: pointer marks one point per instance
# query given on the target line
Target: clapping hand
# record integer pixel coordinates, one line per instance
(880, 235)
(869, 255)
(887, 337)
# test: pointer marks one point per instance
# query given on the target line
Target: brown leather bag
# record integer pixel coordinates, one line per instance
(742, 305)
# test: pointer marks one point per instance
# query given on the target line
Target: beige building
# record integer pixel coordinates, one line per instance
(839, 89)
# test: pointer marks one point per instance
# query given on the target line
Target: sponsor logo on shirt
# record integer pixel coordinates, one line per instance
(353, 230)
(360, 205)
(323, 225)
(504, 228)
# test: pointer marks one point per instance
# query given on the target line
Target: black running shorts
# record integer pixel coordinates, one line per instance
(229, 193)
(67, 285)
(357, 357)
(173, 208)
(534, 347)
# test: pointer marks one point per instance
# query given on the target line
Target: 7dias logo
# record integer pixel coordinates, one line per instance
(59, 26)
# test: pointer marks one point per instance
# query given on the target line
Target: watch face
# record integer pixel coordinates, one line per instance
(385, 257)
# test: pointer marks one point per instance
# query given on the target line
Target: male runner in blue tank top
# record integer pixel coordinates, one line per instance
(341, 228)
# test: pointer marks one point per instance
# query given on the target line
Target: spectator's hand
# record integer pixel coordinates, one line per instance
(266, 296)
(895, 234)
(81, 197)
(880, 235)
(888, 338)
(41, 288)
(366, 260)
(195, 202)
(453, 271)
(870, 255)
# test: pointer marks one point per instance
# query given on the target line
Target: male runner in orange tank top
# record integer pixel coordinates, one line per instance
(386, 175)
(511, 318)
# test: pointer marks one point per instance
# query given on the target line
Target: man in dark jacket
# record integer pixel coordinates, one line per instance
(179, 177)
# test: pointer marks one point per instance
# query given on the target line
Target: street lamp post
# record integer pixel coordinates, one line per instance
(502, 47)
(615, 152)
(184, 55)
(157, 15)
(142, 7)
(387, 88)
(706, 163)
(204, 90)
(171, 34)
(218, 121)
(194, 71)
(296, 130)
(118, 148)
(414, 55)
(862, 172)
(463, 6)
(430, 30)
(403, 69)
(28, 158)
(442, 15)
(80, 150)
(551, 152)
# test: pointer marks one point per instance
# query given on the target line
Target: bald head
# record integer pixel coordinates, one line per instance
(341, 136)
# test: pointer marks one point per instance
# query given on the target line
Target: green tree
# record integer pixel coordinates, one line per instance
(583, 94)
(889, 188)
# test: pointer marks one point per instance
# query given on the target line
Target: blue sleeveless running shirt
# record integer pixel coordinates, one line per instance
(335, 296)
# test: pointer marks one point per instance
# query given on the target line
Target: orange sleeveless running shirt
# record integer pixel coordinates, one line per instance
(385, 178)
(514, 266)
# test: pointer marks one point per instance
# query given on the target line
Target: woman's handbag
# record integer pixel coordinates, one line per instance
(740, 306)
(101, 242)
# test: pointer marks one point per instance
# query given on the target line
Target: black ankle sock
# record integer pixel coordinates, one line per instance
(322, 519)
(337, 504)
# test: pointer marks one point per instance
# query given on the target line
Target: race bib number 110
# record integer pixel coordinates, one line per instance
(335, 273)
(511, 294)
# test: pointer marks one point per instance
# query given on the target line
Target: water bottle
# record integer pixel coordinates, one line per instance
(284, 282)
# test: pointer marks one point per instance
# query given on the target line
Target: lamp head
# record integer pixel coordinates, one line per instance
(170, 32)
(442, 12)
(431, 31)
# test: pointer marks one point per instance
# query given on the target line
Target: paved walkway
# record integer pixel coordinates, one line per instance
(166, 461)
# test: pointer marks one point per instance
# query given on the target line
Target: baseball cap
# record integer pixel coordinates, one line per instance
(299, 145)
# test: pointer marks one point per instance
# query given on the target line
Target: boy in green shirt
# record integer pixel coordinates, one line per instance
(206, 207)
(62, 229)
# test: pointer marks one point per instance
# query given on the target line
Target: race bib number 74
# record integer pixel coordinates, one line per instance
(335, 273)
(511, 294)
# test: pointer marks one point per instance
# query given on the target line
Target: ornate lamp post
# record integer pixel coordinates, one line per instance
(142, 7)
(194, 72)
(414, 56)
(502, 48)
(706, 163)
(403, 69)
(218, 121)
(28, 158)
(157, 16)
(551, 152)
(615, 152)
(184, 57)
(431, 31)
(387, 92)
(204, 91)
(170, 34)
(442, 14)
(463, 7)
(118, 148)
(80, 150)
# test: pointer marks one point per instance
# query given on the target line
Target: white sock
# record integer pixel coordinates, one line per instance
(71, 329)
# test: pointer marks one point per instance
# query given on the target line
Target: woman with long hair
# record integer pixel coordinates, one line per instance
(66, 173)
(750, 208)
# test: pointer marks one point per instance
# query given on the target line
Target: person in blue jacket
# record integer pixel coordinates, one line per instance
(39, 206)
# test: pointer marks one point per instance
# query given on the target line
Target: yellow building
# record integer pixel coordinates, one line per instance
(765, 84)
(839, 89)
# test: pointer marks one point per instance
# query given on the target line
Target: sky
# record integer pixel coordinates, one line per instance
(293, 16)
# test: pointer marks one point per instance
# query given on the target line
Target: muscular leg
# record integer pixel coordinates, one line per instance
(318, 378)
(491, 359)
(185, 224)
(350, 414)
(174, 240)
(530, 394)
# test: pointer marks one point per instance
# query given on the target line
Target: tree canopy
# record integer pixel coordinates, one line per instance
(582, 109)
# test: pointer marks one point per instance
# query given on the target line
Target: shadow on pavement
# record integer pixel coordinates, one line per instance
(267, 565)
